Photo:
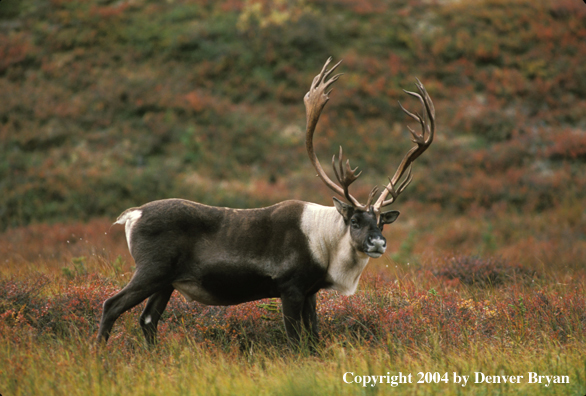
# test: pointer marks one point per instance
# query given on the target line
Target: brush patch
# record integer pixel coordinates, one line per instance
(129, 219)
(331, 246)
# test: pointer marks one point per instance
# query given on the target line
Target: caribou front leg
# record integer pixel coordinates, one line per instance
(309, 316)
(292, 309)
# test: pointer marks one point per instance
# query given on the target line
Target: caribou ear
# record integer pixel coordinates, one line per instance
(344, 209)
(389, 217)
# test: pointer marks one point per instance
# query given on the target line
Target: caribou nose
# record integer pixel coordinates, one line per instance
(377, 244)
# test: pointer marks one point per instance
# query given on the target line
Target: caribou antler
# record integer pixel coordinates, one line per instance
(423, 140)
(315, 101)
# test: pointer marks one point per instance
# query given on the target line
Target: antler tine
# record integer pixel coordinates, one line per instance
(407, 180)
(315, 101)
(324, 75)
(427, 105)
(417, 138)
(423, 140)
(371, 196)
(396, 191)
(390, 189)
(346, 176)
(430, 108)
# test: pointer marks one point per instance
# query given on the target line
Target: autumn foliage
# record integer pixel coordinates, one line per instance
(109, 105)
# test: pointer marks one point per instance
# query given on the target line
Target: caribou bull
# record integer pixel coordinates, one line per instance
(291, 250)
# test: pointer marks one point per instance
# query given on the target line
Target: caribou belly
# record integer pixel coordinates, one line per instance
(227, 285)
(192, 291)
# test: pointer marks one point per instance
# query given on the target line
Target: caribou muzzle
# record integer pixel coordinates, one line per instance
(375, 246)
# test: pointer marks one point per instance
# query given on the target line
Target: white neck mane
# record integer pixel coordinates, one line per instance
(330, 245)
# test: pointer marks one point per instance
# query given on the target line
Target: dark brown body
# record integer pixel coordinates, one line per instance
(225, 251)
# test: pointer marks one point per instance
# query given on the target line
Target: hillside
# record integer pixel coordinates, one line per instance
(106, 105)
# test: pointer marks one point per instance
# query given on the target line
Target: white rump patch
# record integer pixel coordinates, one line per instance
(330, 245)
(129, 218)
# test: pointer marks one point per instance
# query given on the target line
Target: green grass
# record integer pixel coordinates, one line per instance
(76, 367)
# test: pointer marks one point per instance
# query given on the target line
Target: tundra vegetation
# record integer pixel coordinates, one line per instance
(108, 105)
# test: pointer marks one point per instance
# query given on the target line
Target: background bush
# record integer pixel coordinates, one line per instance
(106, 105)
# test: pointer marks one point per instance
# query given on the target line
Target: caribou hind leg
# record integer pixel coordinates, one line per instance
(152, 313)
(141, 286)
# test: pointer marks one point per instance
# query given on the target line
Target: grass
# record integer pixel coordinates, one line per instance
(74, 366)
(450, 313)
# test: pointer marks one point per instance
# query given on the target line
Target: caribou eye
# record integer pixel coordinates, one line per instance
(354, 223)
